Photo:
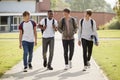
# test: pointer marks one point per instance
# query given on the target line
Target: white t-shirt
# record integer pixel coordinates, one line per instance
(49, 31)
(28, 31)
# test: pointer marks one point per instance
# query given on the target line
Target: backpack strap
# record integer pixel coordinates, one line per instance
(81, 23)
(53, 22)
(46, 22)
(63, 22)
(92, 24)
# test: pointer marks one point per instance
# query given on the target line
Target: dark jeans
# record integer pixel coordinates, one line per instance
(28, 50)
(87, 50)
(48, 42)
(68, 44)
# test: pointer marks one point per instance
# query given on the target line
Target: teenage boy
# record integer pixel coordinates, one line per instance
(68, 27)
(27, 39)
(48, 27)
(87, 33)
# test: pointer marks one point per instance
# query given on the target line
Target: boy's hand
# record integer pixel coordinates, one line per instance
(79, 43)
(97, 44)
(20, 46)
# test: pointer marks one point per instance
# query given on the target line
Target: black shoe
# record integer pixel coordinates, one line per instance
(30, 66)
(50, 68)
(25, 69)
(45, 63)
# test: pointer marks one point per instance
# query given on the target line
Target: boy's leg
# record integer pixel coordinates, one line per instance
(45, 43)
(31, 46)
(51, 51)
(90, 46)
(84, 45)
(71, 44)
(25, 49)
(65, 47)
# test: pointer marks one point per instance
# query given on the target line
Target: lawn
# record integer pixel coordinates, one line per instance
(10, 54)
(109, 33)
(107, 55)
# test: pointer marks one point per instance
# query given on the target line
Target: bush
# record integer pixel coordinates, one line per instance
(113, 24)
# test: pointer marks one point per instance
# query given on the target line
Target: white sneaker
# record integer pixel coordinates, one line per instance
(88, 64)
(66, 67)
(70, 64)
(85, 68)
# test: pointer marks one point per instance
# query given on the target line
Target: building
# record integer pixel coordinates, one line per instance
(11, 13)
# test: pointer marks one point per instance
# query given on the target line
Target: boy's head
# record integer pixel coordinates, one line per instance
(88, 13)
(50, 14)
(26, 15)
(66, 12)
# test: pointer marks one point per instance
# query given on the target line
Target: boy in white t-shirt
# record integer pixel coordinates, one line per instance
(27, 39)
(48, 25)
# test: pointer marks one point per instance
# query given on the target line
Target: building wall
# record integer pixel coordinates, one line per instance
(43, 5)
(17, 6)
(100, 17)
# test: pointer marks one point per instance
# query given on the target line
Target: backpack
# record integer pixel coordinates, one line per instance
(46, 24)
(63, 22)
(22, 25)
(91, 24)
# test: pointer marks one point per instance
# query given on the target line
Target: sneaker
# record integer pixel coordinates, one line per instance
(70, 64)
(88, 64)
(45, 63)
(25, 69)
(66, 67)
(50, 68)
(85, 68)
(30, 66)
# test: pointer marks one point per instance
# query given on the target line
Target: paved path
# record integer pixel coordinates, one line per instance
(40, 73)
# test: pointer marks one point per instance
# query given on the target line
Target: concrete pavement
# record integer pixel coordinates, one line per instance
(40, 73)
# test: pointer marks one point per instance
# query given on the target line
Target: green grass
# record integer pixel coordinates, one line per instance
(14, 35)
(107, 55)
(10, 54)
(109, 33)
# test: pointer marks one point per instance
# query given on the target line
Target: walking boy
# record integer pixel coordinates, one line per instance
(27, 39)
(68, 27)
(48, 26)
(86, 35)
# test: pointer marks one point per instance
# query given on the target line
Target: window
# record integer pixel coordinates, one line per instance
(3, 20)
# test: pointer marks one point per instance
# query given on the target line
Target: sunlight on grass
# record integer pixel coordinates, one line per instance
(107, 56)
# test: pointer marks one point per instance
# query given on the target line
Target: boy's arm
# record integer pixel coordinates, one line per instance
(76, 26)
(20, 39)
(60, 26)
(55, 26)
(35, 34)
(95, 32)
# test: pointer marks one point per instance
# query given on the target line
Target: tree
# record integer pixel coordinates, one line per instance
(96, 5)
(117, 9)
(58, 4)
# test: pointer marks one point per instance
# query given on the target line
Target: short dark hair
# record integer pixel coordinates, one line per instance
(50, 11)
(89, 12)
(66, 10)
(25, 13)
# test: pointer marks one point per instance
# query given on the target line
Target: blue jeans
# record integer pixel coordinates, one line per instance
(28, 50)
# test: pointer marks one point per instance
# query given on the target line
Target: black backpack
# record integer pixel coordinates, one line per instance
(82, 24)
(63, 22)
(46, 24)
